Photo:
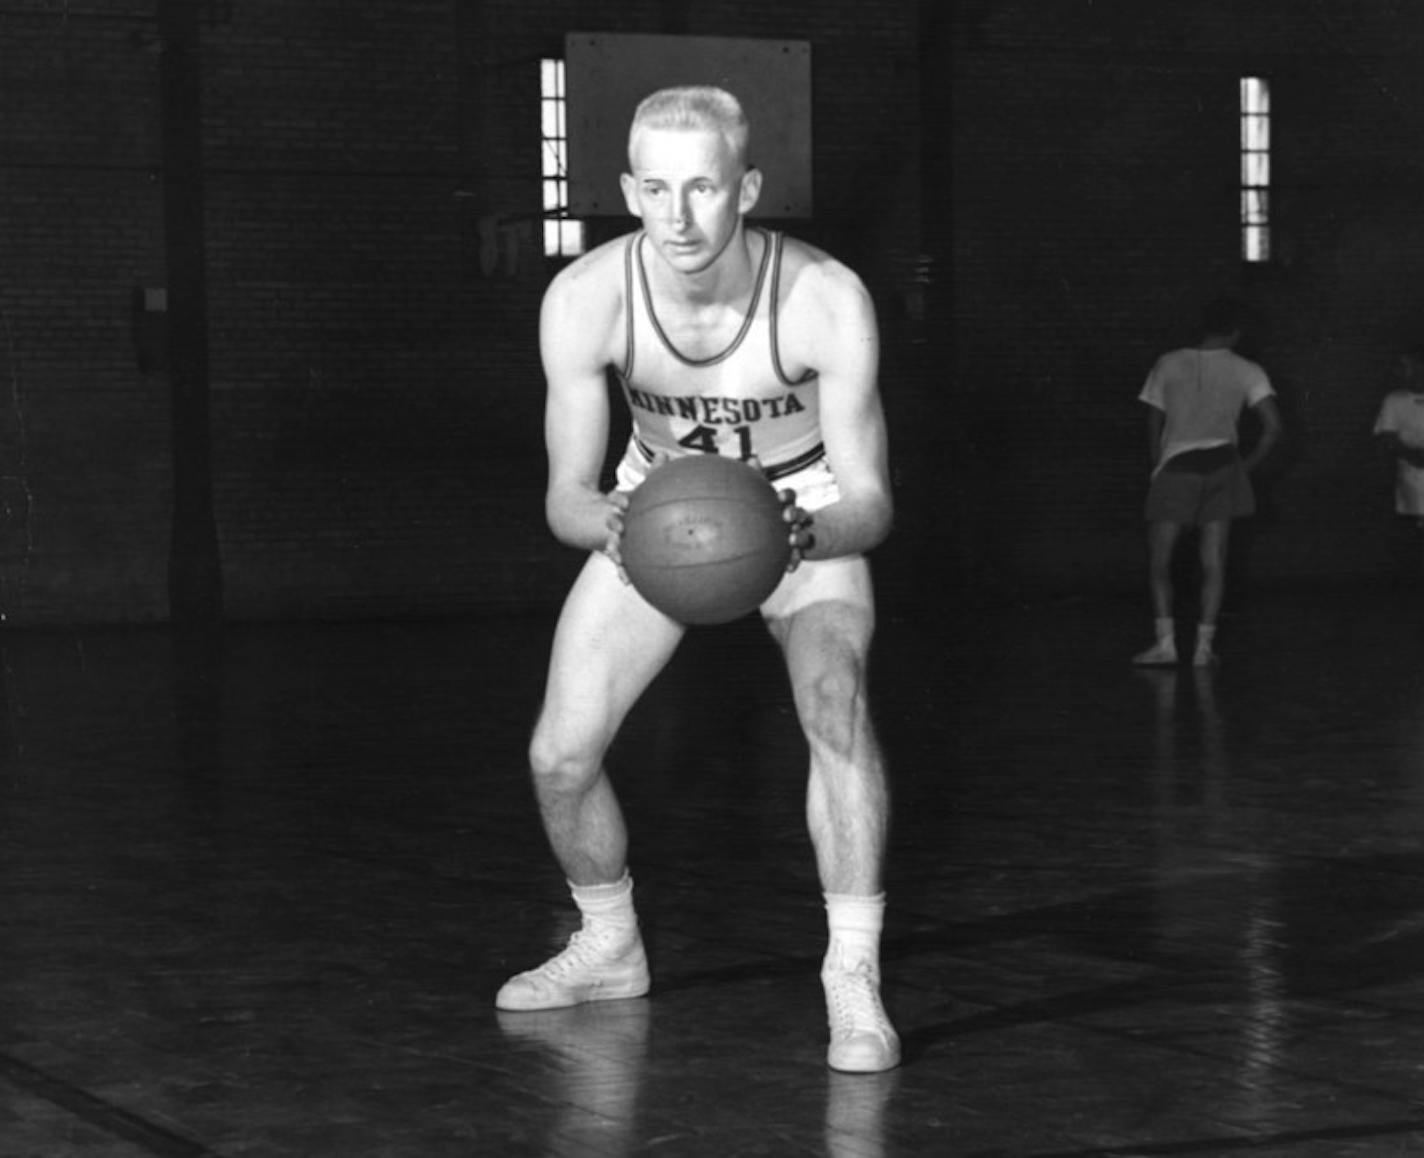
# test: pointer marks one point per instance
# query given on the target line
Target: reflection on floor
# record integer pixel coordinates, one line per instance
(258, 893)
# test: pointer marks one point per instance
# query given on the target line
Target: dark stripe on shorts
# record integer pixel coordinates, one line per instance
(800, 462)
(1203, 460)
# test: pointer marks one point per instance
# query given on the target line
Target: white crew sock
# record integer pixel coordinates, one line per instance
(607, 907)
(855, 923)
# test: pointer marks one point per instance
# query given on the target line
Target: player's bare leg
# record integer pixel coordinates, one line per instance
(1161, 545)
(826, 642)
(608, 647)
(1215, 538)
(847, 801)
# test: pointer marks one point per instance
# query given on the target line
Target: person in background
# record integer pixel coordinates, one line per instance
(1399, 428)
(1195, 398)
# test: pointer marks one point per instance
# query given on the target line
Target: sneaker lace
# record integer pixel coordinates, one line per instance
(584, 949)
(855, 1000)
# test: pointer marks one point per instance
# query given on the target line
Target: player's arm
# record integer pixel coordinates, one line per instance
(1153, 396)
(1156, 420)
(843, 344)
(1386, 429)
(1269, 415)
(1396, 447)
(577, 317)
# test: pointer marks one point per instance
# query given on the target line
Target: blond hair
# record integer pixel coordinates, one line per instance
(694, 107)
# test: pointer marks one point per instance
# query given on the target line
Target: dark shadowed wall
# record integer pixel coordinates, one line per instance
(1094, 194)
(373, 272)
(1039, 194)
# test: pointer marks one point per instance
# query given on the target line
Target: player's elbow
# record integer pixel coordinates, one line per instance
(884, 527)
(559, 528)
(879, 520)
(560, 517)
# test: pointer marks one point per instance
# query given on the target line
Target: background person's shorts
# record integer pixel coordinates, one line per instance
(1194, 497)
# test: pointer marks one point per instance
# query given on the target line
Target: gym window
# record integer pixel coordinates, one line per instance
(1255, 169)
(563, 236)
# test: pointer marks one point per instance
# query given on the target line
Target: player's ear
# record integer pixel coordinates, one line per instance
(629, 184)
(750, 190)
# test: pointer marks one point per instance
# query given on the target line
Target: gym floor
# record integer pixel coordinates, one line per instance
(258, 893)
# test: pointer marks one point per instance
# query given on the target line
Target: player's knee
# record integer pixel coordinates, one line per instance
(560, 764)
(833, 709)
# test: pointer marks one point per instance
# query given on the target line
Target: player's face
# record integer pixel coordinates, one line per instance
(690, 192)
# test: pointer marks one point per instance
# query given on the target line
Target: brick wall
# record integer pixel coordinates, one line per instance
(376, 397)
(83, 435)
(1039, 194)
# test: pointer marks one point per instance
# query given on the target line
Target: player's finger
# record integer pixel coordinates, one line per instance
(611, 548)
(801, 540)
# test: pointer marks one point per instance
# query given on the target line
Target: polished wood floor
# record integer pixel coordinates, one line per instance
(258, 892)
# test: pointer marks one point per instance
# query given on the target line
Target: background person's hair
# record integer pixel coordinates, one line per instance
(1222, 317)
(694, 107)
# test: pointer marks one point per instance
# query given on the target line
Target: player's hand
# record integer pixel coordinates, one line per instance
(613, 545)
(801, 537)
(618, 507)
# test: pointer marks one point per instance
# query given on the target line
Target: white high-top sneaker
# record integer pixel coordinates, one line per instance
(598, 964)
(862, 1039)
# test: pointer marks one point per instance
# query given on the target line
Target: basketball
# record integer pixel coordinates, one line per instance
(704, 540)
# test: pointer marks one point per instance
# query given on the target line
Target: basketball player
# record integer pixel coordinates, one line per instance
(1399, 428)
(1195, 397)
(727, 339)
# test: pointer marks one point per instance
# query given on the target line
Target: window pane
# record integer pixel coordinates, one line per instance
(1255, 95)
(1255, 168)
(562, 237)
(1255, 132)
(1254, 207)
